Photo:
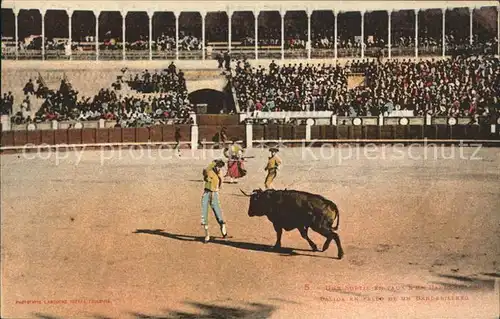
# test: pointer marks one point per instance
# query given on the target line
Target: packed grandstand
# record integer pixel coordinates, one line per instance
(452, 71)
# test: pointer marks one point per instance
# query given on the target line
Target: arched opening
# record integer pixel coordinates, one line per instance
(322, 34)
(56, 33)
(83, 35)
(295, 34)
(190, 36)
(349, 34)
(110, 35)
(243, 35)
(164, 35)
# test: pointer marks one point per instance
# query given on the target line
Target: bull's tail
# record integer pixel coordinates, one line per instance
(336, 210)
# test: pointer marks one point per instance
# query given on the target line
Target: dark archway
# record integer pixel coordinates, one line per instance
(216, 101)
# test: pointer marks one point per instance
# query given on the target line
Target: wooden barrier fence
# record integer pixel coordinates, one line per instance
(259, 133)
(417, 132)
(96, 136)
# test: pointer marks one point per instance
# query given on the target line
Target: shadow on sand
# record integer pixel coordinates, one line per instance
(230, 243)
(38, 315)
(44, 316)
(206, 311)
(458, 282)
(203, 311)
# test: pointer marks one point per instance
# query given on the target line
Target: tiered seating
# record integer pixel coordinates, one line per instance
(460, 86)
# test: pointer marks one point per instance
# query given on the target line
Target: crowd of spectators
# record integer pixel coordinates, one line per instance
(459, 86)
(165, 42)
(189, 42)
(298, 87)
(167, 80)
(132, 109)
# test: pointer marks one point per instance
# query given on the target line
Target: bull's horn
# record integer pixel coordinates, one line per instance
(245, 193)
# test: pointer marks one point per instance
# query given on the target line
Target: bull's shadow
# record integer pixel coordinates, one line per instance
(231, 243)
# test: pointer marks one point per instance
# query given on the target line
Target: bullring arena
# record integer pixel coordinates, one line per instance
(101, 217)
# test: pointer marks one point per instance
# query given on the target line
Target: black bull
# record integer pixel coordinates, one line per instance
(291, 209)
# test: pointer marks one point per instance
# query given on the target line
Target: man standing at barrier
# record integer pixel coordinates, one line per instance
(213, 180)
(273, 164)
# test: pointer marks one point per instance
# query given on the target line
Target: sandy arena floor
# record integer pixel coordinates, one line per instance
(122, 239)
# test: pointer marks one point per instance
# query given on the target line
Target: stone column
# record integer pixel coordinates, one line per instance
(335, 32)
(6, 123)
(282, 13)
(333, 120)
(249, 134)
(362, 34)
(471, 20)
(194, 137)
(150, 19)
(70, 27)
(124, 33)
(230, 33)
(42, 13)
(309, 124)
(177, 15)
(97, 14)
(256, 26)
(203, 54)
(16, 27)
(443, 39)
(389, 35)
(309, 46)
(416, 32)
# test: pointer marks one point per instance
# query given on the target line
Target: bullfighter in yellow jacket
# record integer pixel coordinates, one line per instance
(272, 166)
(212, 177)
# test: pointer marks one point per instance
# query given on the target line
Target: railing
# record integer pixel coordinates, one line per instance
(322, 53)
(403, 51)
(270, 53)
(374, 52)
(30, 54)
(349, 52)
(243, 53)
(83, 55)
(111, 55)
(164, 55)
(56, 55)
(8, 55)
(191, 55)
(295, 53)
(137, 55)
(238, 52)
(430, 51)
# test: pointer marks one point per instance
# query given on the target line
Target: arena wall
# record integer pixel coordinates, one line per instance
(288, 134)
(96, 136)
